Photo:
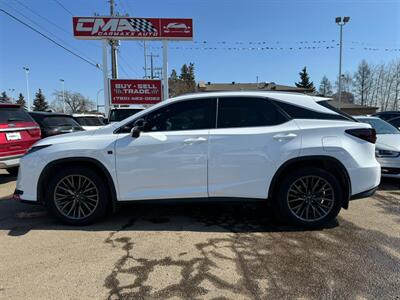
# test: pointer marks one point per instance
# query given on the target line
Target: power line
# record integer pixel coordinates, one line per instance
(66, 9)
(50, 39)
(127, 64)
(48, 32)
(40, 16)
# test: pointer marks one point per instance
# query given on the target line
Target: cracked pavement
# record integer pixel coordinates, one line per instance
(182, 250)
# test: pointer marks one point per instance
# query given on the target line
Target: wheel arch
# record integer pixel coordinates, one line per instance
(80, 161)
(328, 163)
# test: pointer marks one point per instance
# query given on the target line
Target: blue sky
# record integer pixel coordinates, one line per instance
(282, 23)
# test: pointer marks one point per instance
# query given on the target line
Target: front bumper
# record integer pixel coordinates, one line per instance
(9, 161)
(390, 166)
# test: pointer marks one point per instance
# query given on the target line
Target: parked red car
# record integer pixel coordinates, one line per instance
(18, 132)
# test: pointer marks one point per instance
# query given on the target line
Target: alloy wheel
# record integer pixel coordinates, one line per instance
(76, 197)
(310, 198)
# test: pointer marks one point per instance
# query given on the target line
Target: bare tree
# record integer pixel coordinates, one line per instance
(325, 87)
(362, 82)
(74, 102)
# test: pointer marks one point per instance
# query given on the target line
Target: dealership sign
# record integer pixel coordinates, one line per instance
(132, 28)
(135, 91)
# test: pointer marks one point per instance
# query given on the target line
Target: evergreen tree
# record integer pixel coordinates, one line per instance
(4, 98)
(325, 87)
(40, 104)
(184, 73)
(305, 80)
(21, 100)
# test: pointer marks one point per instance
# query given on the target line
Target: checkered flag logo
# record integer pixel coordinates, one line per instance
(142, 25)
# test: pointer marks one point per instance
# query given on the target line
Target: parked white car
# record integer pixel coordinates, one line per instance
(387, 145)
(89, 121)
(292, 150)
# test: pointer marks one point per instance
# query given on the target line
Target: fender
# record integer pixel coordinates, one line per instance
(43, 176)
(321, 159)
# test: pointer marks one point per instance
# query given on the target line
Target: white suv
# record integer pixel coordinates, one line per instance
(292, 150)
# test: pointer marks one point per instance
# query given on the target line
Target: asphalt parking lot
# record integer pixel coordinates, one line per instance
(200, 251)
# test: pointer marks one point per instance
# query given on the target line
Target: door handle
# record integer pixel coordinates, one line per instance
(284, 136)
(191, 141)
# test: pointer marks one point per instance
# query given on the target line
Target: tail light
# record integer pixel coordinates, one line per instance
(366, 134)
(34, 132)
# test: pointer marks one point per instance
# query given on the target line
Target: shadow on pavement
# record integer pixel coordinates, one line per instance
(174, 215)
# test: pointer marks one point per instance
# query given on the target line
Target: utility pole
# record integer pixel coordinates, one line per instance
(114, 47)
(145, 59)
(151, 55)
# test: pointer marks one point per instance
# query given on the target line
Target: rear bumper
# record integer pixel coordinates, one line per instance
(9, 161)
(364, 194)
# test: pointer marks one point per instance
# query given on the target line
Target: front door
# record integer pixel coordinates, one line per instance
(168, 159)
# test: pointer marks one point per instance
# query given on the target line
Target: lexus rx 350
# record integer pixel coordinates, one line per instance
(293, 150)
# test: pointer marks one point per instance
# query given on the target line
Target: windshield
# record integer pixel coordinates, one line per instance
(89, 121)
(117, 115)
(380, 126)
(55, 121)
(13, 114)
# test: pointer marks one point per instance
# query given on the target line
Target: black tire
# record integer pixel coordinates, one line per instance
(59, 183)
(327, 199)
(13, 171)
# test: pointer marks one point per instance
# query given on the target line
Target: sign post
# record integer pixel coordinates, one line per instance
(105, 79)
(165, 70)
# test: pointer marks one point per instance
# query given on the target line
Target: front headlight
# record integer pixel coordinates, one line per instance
(386, 153)
(36, 148)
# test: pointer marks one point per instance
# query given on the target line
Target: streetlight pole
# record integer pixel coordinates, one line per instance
(341, 22)
(63, 93)
(27, 86)
(97, 99)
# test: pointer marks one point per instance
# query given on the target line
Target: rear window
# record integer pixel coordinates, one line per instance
(89, 121)
(117, 115)
(55, 121)
(14, 114)
(297, 112)
(247, 112)
(381, 126)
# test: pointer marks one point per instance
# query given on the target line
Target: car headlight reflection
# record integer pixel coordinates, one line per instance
(386, 153)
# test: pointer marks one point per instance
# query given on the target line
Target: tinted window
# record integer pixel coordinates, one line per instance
(184, 115)
(395, 122)
(297, 112)
(89, 121)
(386, 116)
(247, 112)
(381, 126)
(55, 121)
(117, 115)
(13, 114)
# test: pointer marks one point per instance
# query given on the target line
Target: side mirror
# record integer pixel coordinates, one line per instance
(135, 131)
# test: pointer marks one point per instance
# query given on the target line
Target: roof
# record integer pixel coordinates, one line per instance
(46, 113)
(87, 115)
(297, 99)
(9, 105)
(335, 103)
(263, 86)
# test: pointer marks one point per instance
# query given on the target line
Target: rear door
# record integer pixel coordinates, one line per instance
(252, 139)
(18, 131)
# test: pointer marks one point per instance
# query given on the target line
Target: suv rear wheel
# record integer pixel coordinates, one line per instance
(309, 197)
(77, 196)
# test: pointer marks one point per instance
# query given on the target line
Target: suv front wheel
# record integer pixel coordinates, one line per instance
(309, 197)
(77, 195)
